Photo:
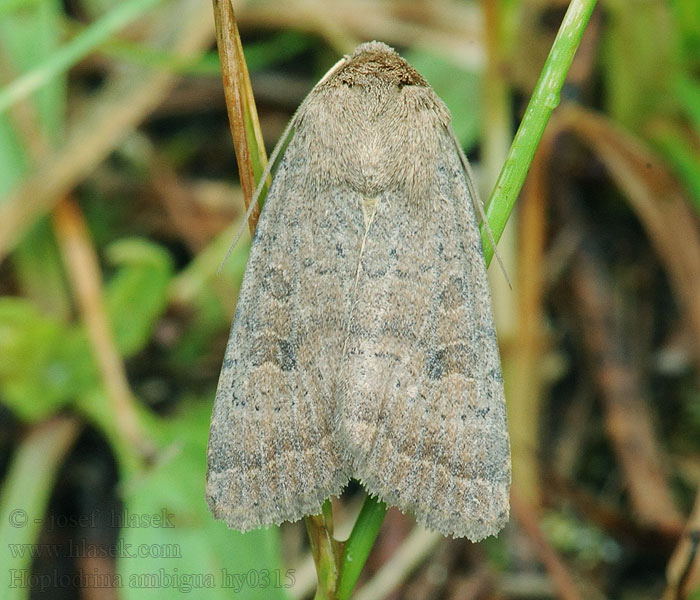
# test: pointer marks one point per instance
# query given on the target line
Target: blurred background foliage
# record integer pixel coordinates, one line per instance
(117, 204)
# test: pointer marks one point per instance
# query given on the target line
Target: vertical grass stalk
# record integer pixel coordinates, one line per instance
(545, 98)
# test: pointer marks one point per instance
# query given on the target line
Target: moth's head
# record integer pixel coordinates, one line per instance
(371, 64)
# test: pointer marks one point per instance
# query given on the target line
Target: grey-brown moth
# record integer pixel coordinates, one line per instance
(363, 343)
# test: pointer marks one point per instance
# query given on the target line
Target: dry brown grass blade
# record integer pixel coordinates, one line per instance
(528, 344)
(657, 199)
(84, 273)
(659, 202)
(448, 28)
(628, 419)
(126, 100)
(240, 105)
(683, 570)
(477, 585)
(556, 569)
(611, 517)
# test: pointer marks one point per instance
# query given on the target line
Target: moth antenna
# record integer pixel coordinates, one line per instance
(258, 191)
(476, 201)
(273, 158)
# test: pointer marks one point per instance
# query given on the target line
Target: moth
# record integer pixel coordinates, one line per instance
(363, 343)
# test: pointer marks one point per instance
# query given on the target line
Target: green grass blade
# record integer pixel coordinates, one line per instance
(545, 99)
(359, 544)
(73, 51)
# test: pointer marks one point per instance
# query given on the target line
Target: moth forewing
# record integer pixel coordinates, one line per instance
(363, 343)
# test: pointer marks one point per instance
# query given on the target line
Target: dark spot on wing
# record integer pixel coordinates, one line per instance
(275, 350)
(455, 293)
(455, 358)
(286, 356)
(435, 365)
(277, 282)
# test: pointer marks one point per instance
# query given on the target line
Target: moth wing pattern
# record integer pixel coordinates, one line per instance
(423, 416)
(363, 343)
(273, 453)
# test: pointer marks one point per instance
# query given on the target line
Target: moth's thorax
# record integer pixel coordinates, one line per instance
(374, 126)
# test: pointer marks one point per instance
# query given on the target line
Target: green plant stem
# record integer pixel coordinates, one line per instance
(545, 99)
(359, 545)
(240, 104)
(326, 551)
(28, 485)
